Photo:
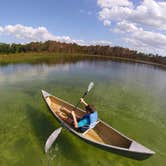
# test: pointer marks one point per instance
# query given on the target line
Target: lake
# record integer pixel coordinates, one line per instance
(129, 96)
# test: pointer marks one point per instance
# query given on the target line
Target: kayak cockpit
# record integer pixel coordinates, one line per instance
(63, 110)
(101, 133)
(104, 134)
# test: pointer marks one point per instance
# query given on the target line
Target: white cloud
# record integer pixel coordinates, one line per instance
(29, 34)
(149, 12)
(111, 3)
(140, 45)
(1, 29)
(94, 42)
(152, 39)
(107, 23)
(101, 42)
(114, 13)
(142, 26)
(139, 38)
(125, 26)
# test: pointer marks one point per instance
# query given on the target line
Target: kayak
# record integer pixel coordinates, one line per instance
(101, 134)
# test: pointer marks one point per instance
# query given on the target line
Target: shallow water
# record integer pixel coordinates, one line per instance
(130, 97)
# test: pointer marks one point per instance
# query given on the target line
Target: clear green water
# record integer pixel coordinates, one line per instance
(130, 97)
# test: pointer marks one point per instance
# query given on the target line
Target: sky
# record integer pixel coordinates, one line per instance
(135, 24)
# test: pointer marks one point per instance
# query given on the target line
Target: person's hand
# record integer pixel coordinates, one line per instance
(81, 100)
(72, 113)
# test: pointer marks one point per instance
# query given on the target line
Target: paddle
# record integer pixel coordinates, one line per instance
(52, 138)
(56, 133)
(90, 86)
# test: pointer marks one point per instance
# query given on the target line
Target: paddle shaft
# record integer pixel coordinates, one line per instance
(90, 86)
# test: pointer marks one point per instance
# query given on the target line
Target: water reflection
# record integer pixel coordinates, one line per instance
(131, 97)
(25, 72)
(125, 74)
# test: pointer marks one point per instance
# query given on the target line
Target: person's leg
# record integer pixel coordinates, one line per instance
(62, 115)
(65, 110)
(68, 112)
(65, 117)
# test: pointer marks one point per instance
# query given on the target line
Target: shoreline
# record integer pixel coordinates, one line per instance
(38, 57)
(130, 60)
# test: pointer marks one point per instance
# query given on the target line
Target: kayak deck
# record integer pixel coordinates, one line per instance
(104, 134)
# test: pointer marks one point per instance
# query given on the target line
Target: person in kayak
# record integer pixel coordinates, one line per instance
(88, 119)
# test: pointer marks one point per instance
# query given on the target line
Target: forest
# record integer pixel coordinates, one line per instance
(59, 47)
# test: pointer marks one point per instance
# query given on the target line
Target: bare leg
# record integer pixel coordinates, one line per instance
(65, 115)
(65, 110)
(65, 118)
(68, 112)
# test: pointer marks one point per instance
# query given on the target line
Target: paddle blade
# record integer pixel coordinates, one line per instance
(52, 138)
(90, 86)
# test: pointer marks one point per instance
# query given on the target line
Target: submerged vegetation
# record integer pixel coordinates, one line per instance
(35, 50)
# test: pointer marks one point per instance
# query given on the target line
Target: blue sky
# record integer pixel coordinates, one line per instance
(125, 23)
(62, 18)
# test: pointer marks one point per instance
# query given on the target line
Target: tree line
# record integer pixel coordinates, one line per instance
(59, 47)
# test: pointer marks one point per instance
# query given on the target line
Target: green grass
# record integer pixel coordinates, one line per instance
(33, 58)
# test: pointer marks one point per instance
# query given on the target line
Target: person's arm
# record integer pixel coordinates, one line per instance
(83, 101)
(75, 119)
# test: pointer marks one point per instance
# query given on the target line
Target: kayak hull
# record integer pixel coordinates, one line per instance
(102, 135)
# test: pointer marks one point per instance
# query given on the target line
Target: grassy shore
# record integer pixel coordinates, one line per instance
(26, 57)
(61, 57)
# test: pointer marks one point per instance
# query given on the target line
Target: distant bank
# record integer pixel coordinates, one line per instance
(52, 58)
(36, 51)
